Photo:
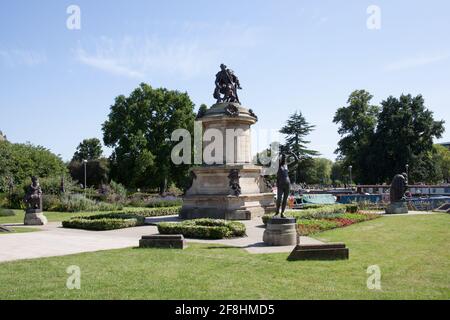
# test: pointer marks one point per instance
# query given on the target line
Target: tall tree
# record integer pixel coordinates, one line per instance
(296, 129)
(88, 149)
(404, 135)
(441, 156)
(357, 123)
(139, 129)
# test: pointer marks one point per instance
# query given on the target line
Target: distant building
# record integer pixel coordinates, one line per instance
(2, 136)
(445, 144)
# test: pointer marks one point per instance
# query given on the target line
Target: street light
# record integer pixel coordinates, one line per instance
(350, 173)
(85, 162)
(407, 168)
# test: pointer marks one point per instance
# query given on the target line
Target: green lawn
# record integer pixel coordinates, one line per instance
(413, 253)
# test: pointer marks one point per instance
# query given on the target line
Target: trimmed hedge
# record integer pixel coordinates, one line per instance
(99, 224)
(6, 212)
(117, 220)
(204, 228)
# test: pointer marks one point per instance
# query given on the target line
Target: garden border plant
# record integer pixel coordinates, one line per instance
(204, 228)
(117, 219)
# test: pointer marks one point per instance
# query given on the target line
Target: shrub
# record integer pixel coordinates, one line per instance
(352, 208)
(323, 211)
(164, 203)
(99, 224)
(51, 202)
(204, 228)
(116, 219)
(6, 212)
(78, 202)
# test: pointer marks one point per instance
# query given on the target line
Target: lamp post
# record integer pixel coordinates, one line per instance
(407, 169)
(350, 175)
(85, 162)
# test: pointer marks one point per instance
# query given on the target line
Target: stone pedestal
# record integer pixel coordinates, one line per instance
(325, 251)
(280, 232)
(174, 241)
(227, 185)
(34, 217)
(397, 207)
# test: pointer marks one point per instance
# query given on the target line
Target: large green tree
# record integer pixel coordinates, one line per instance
(88, 149)
(380, 142)
(357, 123)
(139, 129)
(296, 129)
(404, 135)
(21, 161)
(441, 156)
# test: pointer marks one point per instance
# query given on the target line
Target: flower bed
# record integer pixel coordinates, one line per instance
(308, 226)
(204, 228)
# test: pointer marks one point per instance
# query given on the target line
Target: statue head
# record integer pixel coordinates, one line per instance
(34, 180)
(223, 67)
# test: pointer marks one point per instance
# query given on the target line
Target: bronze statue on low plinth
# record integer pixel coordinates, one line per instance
(33, 200)
(397, 196)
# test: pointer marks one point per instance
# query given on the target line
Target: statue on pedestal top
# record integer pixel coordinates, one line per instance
(227, 84)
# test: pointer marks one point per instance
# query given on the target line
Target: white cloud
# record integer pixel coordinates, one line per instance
(186, 56)
(19, 57)
(418, 61)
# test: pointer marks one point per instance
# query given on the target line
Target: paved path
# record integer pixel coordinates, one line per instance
(53, 240)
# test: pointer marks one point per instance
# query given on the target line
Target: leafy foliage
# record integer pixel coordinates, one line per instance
(97, 171)
(296, 129)
(379, 142)
(21, 161)
(88, 149)
(139, 129)
(204, 228)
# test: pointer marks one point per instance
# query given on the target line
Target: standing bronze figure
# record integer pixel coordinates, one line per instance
(227, 84)
(283, 185)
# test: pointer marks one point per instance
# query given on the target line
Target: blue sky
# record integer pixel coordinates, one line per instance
(56, 84)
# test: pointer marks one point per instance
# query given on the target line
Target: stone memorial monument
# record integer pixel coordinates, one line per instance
(397, 197)
(228, 186)
(33, 200)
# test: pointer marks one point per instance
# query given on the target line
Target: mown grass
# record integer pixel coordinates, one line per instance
(413, 253)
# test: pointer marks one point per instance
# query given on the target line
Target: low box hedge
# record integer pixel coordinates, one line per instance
(117, 219)
(100, 224)
(204, 228)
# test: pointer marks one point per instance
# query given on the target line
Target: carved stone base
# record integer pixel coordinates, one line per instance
(397, 207)
(228, 207)
(213, 196)
(34, 217)
(280, 232)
